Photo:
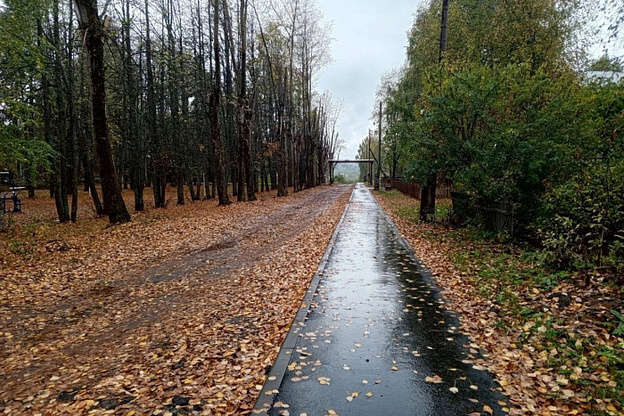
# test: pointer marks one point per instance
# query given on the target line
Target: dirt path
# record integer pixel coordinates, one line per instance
(174, 315)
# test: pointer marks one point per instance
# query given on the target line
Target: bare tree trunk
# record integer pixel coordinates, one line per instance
(72, 122)
(215, 97)
(60, 170)
(135, 137)
(152, 139)
(86, 11)
(246, 164)
(282, 155)
(86, 149)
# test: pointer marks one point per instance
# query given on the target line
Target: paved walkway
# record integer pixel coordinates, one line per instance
(373, 337)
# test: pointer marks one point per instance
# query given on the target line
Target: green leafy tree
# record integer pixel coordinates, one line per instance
(444, 115)
(605, 63)
(23, 148)
(583, 219)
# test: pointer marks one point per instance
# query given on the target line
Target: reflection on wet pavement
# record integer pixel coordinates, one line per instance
(377, 339)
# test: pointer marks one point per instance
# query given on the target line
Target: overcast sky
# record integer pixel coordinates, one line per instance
(369, 40)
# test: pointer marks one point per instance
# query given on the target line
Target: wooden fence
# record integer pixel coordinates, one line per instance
(413, 189)
(496, 217)
(499, 217)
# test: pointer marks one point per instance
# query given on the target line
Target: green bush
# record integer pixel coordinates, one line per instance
(582, 219)
(585, 222)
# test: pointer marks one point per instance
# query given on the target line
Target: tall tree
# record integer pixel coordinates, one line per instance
(151, 128)
(90, 23)
(214, 101)
(245, 151)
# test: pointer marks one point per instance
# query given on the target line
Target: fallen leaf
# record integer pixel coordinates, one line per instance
(324, 380)
(435, 379)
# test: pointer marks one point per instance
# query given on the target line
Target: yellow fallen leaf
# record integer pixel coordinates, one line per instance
(435, 379)
(324, 380)
(488, 409)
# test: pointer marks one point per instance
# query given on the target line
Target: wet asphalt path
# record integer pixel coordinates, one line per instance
(374, 338)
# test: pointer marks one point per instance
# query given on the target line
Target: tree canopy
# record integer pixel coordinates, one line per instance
(198, 95)
(508, 119)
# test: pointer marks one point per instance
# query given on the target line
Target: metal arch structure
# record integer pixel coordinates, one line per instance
(334, 162)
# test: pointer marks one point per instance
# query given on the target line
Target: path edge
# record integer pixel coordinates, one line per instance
(421, 267)
(429, 277)
(278, 370)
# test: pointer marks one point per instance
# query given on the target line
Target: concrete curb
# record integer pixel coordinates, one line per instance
(278, 370)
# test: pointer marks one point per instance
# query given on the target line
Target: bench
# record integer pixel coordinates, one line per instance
(11, 196)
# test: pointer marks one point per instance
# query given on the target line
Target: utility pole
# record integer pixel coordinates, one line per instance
(443, 29)
(370, 165)
(378, 177)
(428, 193)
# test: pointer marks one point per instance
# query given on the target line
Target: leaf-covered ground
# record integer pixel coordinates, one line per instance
(181, 311)
(548, 337)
